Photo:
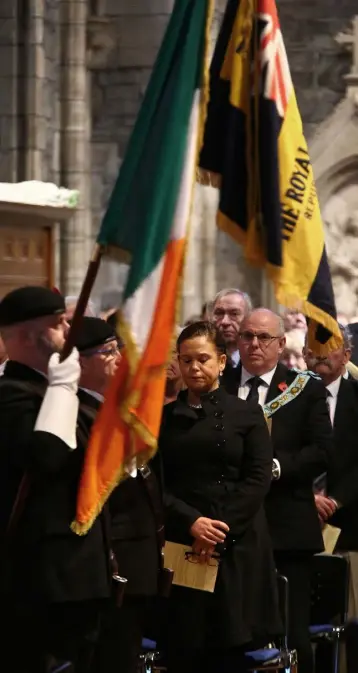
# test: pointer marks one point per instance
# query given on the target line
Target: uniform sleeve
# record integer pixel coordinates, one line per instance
(33, 452)
(314, 457)
(254, 485)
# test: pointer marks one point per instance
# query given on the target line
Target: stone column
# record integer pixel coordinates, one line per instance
(200, 282)
(8, 88)
(35, 120)
(200, 270)
(76, 136)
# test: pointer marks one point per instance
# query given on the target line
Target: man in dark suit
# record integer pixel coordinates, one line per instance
(132, 521)
(54, 582)
(302, 442)
(337, 503)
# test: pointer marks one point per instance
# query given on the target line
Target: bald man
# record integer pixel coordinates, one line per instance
(295, 403)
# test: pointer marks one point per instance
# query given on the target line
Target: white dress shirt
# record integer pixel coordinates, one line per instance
(333, 390)
(245, 387)
(244, 390)
(235, 358)
(2, 367)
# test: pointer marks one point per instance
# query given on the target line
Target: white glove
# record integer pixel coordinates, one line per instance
(66, 373)
(59, 409)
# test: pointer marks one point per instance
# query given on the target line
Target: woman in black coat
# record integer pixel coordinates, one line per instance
(217, 460)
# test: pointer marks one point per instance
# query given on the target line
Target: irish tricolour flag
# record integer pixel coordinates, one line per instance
(147, 221)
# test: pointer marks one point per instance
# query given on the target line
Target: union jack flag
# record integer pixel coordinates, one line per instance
(277, 82)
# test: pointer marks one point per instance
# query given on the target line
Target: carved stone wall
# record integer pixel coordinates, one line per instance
(334, 152)
(317, 63)
(123, 37)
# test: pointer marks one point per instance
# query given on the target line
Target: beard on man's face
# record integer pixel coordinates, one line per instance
(46, 346)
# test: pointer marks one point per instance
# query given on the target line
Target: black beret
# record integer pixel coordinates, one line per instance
(28, 303)
(93, 332)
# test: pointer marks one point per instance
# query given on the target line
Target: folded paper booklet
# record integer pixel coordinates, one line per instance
(330, 538)
(187, 571)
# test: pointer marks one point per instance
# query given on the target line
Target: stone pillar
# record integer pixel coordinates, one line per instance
(200, 270)
(35, 120)
(200, 282)
(76, 138)
(8, 89)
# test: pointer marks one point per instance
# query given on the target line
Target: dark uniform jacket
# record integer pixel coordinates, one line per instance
(46, 561)
(342, 476)
(132, 528)
(217, 463)
(302, 440)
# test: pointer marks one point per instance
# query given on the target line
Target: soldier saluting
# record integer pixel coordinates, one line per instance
(55, 582)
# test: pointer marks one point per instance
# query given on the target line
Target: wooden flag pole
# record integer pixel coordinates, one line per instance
(83, 299)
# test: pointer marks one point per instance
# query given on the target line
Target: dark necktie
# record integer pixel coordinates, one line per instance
(254, 383)
(328, 397)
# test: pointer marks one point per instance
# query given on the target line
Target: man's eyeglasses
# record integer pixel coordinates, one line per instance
(109, 352)
(264, 339)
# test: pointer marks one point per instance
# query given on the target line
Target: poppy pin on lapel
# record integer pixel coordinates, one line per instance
(282, 386)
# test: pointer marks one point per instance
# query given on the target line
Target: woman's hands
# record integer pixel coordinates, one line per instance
(207, 533)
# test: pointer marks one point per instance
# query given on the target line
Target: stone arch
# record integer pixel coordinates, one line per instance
(334, 155)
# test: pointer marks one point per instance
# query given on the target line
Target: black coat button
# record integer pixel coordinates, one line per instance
(219, 414)
(219, 426)
(213, 399)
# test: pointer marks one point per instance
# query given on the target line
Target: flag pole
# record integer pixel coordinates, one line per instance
(88, 283)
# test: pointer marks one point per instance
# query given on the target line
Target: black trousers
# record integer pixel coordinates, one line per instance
(36, 639)
(297, 568)
(121, 633)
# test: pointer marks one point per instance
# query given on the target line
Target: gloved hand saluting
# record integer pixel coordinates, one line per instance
(66, 373)
(59, 409)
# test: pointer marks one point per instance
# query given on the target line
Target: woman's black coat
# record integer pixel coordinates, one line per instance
(217, 463)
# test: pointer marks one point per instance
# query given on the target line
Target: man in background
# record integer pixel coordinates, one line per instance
(302, 443)
(132, 523)
(337, 499)
(229, 308)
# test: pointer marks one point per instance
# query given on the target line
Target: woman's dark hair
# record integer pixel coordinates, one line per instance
(206, 329)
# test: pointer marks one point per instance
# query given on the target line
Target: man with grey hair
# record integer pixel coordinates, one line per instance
(294, 405)
(337, 491)
(229, 308)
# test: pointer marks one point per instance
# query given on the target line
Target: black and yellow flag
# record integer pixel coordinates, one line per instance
(255, 151)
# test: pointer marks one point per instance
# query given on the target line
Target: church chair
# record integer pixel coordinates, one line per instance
(270, 659)
(329, 602)
(150, 658)
(273, 658)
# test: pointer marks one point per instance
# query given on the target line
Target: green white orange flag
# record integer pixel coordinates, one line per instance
(147, 219)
